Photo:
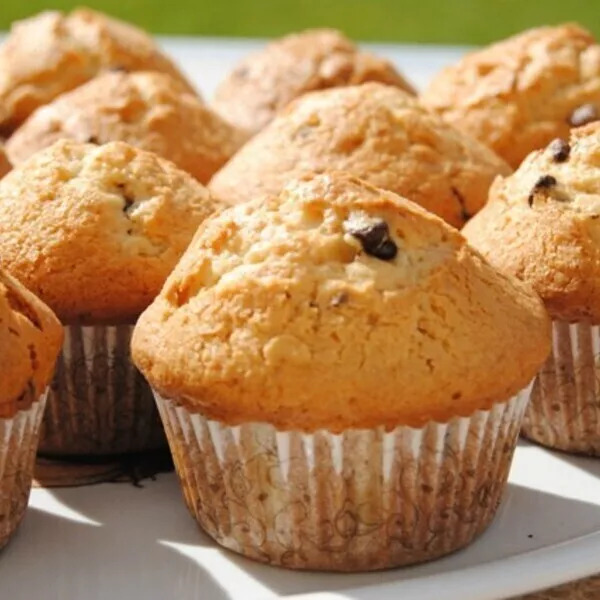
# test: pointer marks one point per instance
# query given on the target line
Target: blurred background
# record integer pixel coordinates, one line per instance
(427, 21)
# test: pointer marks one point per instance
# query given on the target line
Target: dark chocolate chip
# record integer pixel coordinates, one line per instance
(584, 114)
(559, 149)
(93, 140)
(375, 240)
(545, 182)
(128, 202)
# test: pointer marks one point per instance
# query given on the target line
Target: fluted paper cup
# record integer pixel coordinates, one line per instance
(356, 501)
(564, 410)
(18, 444)
(99, 403)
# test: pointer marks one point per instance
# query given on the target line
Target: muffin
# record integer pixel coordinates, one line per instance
(373, 131)
(266, 81)
(519, 94)
(541, 225)
(30, 339)
(4, 164)
(52, 53)
(94, 231)
(337, 378)
(148, 110)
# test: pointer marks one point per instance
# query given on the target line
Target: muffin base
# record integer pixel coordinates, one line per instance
(18, 443)
(99, 403)
(357, 501)
(564, 409)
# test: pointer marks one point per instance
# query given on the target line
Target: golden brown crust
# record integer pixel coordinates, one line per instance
(5, 166)
(145, 109)
(375, 132)
(95, 230)
(519, 94)
(542, 225)
(276, 313)
(30, 340)
(52, 53)
(315, 59)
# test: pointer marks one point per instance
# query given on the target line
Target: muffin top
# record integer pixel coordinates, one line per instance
(337, 305)
(519, 94)
(95, 230)
(376, 132)
(4, 164)
(148, 110)
(542, 224)
(52, 53)
(30, 339)
(266, 81)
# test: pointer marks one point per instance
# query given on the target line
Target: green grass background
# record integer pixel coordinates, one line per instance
(442, 21)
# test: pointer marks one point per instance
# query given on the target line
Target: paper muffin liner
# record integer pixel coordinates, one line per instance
(355, 501)
(99, 403)
(18, 443)
(564, 409)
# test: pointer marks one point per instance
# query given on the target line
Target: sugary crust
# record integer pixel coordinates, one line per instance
(375, 132)
(95, 230)
(549, 236)
(519, 94)
(30, 339)
(275, 314)
(148, 110)
(267, 80)
(52, 53)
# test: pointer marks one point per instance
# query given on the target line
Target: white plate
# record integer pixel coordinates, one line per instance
(114, 541)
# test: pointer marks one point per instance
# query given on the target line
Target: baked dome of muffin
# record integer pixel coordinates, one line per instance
(337, 305)
(30, 339)
(542, 224)
(376, 132)
(148, 110)
(52, 53)
(519, 94)
(95, 230)
(267, 80)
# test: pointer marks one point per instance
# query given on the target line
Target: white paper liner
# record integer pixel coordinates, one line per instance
(361, 500)
(99, 403)
(564, 409)
(18, 444)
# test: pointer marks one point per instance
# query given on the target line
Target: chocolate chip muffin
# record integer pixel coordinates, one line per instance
(95, 230)
(316, 59)
(373, 131)
(519, 94)
(52, 53)
(30, 339)
(148, 110)
(542, 225)
(327, 360)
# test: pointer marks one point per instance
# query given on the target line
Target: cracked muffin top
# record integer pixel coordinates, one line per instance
(542, 224)
(30, 340)
(337, 305)
(52, 53)
(95, 230)
(519, 94)
(148, 110)
(267, 80)
(375, 132)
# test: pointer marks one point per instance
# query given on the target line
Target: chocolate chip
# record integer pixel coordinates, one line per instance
(375, 239)
(128, 202)
(559, 149)
(584, 114)
(93, 140)
(545, 182)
